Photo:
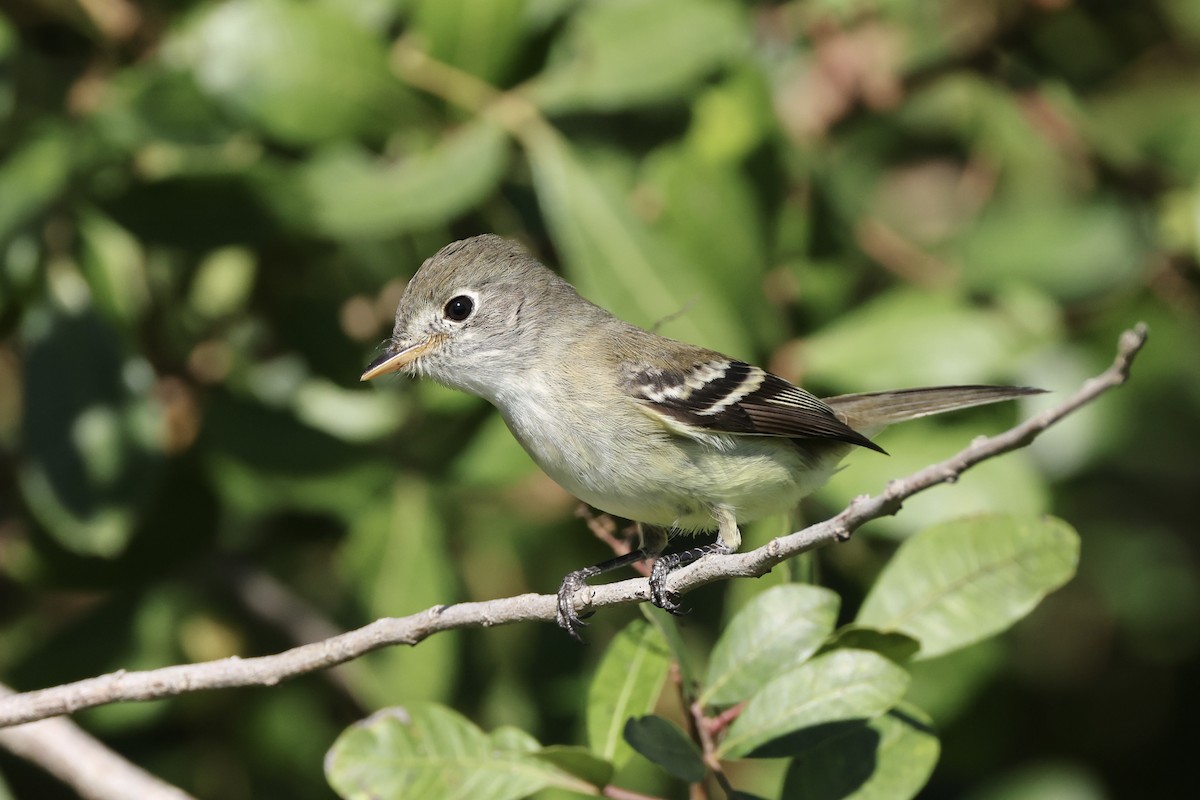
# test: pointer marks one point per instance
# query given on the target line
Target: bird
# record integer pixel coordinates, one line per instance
(672, 436)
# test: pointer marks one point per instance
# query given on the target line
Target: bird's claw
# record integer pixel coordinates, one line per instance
(660, 596)
(566, 616)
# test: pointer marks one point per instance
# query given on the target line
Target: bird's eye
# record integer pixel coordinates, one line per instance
(459, 308)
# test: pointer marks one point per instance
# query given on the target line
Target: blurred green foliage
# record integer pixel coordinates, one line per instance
(207, 212)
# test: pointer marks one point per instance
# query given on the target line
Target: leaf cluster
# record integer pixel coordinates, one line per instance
(781, 682)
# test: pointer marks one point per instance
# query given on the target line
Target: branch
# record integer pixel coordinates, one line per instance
(269, 670)
(63, 749)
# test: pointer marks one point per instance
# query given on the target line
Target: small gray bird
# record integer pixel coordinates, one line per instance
(668, 434)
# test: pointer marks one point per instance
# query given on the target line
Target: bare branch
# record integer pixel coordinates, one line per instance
(268, 670)
(63, 749)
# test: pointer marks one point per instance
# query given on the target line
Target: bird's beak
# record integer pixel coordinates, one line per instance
(398, 357)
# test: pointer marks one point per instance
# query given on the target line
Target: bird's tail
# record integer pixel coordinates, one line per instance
(871, 412)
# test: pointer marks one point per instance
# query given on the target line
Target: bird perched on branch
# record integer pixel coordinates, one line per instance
(670, 435)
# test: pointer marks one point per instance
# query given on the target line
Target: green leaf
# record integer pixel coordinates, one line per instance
(1071, 251)
(836, 687)
(774, 632)
(395, 561)
(732, 118)
(962, 581)
(263, 459)
(624, 53)
(92, 448)
(616, 262)
(890, 644)
(482, 37)
(32, 175)
(1012, 484)
(304, 73)
(888, 758)
(1150, 119)
(662, 742)
(681, 656)
(711, 212)
(222, 284)
(431, 752)
(578, 761)
(156, 105)
(626, 684)
(349, 195)
(909, 337)
(493, 457)
(1046, 780)
(9, 43)
(992, 123)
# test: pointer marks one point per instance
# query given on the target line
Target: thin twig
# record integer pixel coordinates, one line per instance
(708, 747)
(63, 749)
(271, 601)
(269, 670)
(718, 724)
(509, 109)
(697, 790)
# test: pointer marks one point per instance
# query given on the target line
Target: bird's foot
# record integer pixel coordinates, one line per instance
(659, 595)
(568, 619)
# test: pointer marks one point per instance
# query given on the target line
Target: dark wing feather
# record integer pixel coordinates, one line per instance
(727, 396)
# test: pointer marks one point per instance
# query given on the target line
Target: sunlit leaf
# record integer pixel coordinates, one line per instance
(1009, 485)
(32, 175)
(839, 686)
(634, 52)
(965, 580)
(682, 657)
(482, 37)
(348, 195)
(578, 761)
(350, 415)
(395, 561)
(113, 262)
(304, 73)
(429, 751)
(709, 211)
(616, 262)
(626, 684)
(907, 337)
(774, 632)
(1072, 251)
(730, 119)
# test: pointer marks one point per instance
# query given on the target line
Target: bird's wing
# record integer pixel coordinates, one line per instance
(719, 395)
